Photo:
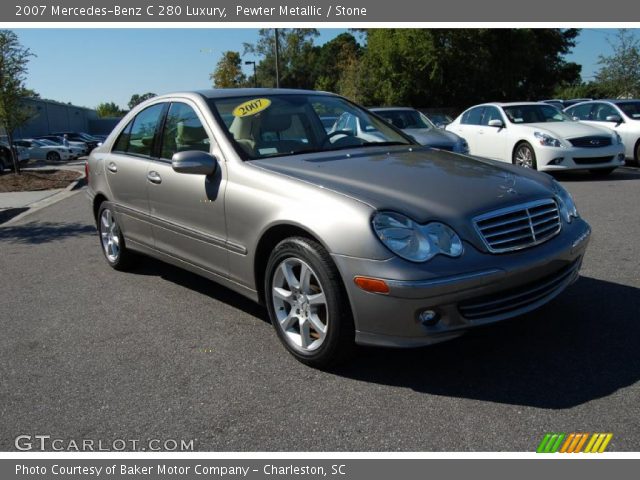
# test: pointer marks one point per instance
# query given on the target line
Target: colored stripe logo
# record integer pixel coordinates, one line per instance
(574, 443)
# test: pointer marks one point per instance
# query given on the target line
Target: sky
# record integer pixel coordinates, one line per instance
(90, 66)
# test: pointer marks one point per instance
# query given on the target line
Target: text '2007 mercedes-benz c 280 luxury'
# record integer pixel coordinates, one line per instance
(345, 240)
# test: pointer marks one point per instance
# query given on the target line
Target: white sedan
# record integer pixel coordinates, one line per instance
(621, 116)
(538, 136)
(40, 150)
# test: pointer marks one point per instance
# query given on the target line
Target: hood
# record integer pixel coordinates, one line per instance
(419, 182)
(566, 130)
(433, 137)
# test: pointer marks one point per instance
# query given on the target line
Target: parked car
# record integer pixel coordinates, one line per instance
(559, 104)
(91, 142)
(350, 125)
(538, 136)
(621, 116)
(344, 238)
(573, 101)
(6, 163)
(416, 124)
(77, 148)
(38, 149)
(440, 120)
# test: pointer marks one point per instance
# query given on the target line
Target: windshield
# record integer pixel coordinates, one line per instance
(275, 125)
(405, 119)
(630, 109)
(535, 114)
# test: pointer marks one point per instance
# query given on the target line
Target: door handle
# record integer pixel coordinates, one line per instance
(112, 167)
(154, 177)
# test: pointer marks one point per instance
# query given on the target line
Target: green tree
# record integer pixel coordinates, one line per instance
(228, 72)
(337, 66)
(460, 67)
(108, 109)
(14, 59)
(137, 99)
(619, 74)
(297, 56)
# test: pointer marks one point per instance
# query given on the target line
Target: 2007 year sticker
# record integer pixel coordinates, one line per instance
(251, 107)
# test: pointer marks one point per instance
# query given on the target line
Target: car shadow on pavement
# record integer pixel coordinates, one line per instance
(580, 347)
(624, 173)
(184, 278)
(43, 232)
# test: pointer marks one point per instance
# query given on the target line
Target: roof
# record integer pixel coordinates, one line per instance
(387, 109)
(509, 104)
(252, 92)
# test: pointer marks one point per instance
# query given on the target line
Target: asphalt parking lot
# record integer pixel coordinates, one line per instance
(91, 353)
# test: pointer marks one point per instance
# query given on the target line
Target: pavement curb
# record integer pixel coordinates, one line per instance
(69, 191)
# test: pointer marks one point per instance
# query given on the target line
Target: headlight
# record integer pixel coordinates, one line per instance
(567, 206)
(415, 242)
(618, 138)
(547, 140)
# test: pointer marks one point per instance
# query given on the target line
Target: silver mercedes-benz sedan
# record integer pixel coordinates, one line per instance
(346, 240)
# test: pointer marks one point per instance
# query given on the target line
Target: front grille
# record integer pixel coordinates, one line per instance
(519, 227)
(520, 298)
(591, 142)
(592, 160)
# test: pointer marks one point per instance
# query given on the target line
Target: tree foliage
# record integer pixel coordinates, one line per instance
(297, 57)
(137, 99)
(14, 112)
(422, 67)
(460, 67)
(228, 72)
(619, 74)
(108, 109)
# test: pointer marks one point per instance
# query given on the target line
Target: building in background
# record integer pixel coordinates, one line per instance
(51, 116)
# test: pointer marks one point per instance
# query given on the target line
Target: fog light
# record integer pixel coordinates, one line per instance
(429, 318)
(556, 161)
(621, 157)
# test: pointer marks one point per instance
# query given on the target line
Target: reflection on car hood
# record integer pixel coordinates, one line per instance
(433, 137)
(566, 129)
(422, 183)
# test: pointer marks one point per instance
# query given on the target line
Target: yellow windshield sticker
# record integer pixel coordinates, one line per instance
(251, 107)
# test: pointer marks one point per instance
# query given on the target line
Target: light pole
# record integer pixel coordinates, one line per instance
(255, 78)
(277, 60)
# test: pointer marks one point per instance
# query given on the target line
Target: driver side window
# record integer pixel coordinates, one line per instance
(183, 131)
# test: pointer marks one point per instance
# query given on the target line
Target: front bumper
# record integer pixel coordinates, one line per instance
(482, 289)
(573, 158)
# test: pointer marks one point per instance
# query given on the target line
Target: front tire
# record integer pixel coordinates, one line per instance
(637, 153)
(525, 156)
(53, 157)
(112, 241)
(307, 303)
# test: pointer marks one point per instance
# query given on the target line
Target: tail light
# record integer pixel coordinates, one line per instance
(86, 170)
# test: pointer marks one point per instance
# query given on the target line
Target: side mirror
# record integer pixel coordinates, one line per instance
(614, 118)
(496, 123)
(195, 162)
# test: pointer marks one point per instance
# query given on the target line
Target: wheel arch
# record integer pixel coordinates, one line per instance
(97, 201)
(267, 242)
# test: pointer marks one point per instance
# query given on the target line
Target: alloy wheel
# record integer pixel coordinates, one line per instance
(300, 305)
(110, 235)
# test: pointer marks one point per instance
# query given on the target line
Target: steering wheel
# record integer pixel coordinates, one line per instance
(330, 135)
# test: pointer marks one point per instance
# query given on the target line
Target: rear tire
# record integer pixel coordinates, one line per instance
(307, 303)
(525, 156)
(112, 241)
(637, 154)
